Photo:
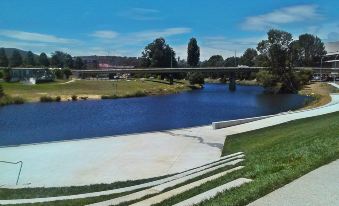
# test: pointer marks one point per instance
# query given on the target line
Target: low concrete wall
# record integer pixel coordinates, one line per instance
(223, 124)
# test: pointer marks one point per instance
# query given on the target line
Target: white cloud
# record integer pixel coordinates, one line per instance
(284, 15)
(34, 37)
(141, 14)
(105, 34)
(219, 45)
(152, 34)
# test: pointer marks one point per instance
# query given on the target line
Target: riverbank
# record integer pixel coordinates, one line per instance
(320, 91)
(107, 159)
(94, 89)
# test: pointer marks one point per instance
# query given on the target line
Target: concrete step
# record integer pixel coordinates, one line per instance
(213, 192)
(160, 188)
(223, 160)
(166, 195)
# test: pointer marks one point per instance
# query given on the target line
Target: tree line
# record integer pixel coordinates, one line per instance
(58, 59)
(279, 53)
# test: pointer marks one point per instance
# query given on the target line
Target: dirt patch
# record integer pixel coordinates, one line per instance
(320, 92)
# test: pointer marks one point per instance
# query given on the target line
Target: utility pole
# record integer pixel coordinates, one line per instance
(235, 58)
(171, 58)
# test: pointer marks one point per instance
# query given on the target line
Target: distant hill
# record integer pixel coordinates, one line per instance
(110, 61)
(9, 52)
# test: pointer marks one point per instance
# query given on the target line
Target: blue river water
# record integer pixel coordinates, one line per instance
(45, 122)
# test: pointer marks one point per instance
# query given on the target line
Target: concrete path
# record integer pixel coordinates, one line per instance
(319, 187)
(334, 84)
(110, 159)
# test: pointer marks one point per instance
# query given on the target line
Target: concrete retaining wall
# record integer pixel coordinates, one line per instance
(223, 124)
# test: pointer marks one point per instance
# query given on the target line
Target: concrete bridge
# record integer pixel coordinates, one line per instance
(232, 71)
(121, 70)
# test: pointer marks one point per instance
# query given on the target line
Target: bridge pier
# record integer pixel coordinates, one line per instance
(170, 78)
(232, 78)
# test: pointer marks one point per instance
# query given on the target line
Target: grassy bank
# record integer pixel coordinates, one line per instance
(275, 156)
(320, 91)
(93, 89)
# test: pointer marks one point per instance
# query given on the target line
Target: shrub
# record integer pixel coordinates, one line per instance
(18, 100)
(46, 99)
(109, 96)
(140, 94)
(2, 93)
(67, 72)
(196, 78)
(6, 100)
(74, 97)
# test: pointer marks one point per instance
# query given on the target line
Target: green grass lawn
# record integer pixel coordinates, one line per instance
(92, 88)
(275, 156)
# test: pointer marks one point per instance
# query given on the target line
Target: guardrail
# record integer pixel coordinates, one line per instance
(14, 163)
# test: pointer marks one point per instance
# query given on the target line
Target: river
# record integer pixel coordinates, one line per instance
(45, 122)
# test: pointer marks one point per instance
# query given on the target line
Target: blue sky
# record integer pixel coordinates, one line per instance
(124, 27)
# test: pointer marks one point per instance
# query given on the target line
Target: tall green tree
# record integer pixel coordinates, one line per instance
(3, 58)
(193, 53)
(69, 61)
(311, 49)
(158, 54)
(16, 59)
(277, 51)
(248, 58)
(78, 63)
(29, 60)
(43, 60)
(61, 59)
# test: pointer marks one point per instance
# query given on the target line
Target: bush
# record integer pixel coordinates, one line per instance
(46, 99)
(50, 99)
(74, 97)
(2, 93)
(140, 94)
(58, 73)
(18, 100)
(67, 72)
(109, 96)
(196, 78)
(6, 100)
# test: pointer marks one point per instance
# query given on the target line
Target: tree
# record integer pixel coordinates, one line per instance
(231, 61)
(248, 58)
(196, 78)
(67, 72)
(68, 61)
(277, 51)
(193, 53)
(215, 61)
(78, 63)
(158, 54)
(29, 60)
(312, 48)
(43, 60)
(3, 58)
(61, 59)
(16, 59)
